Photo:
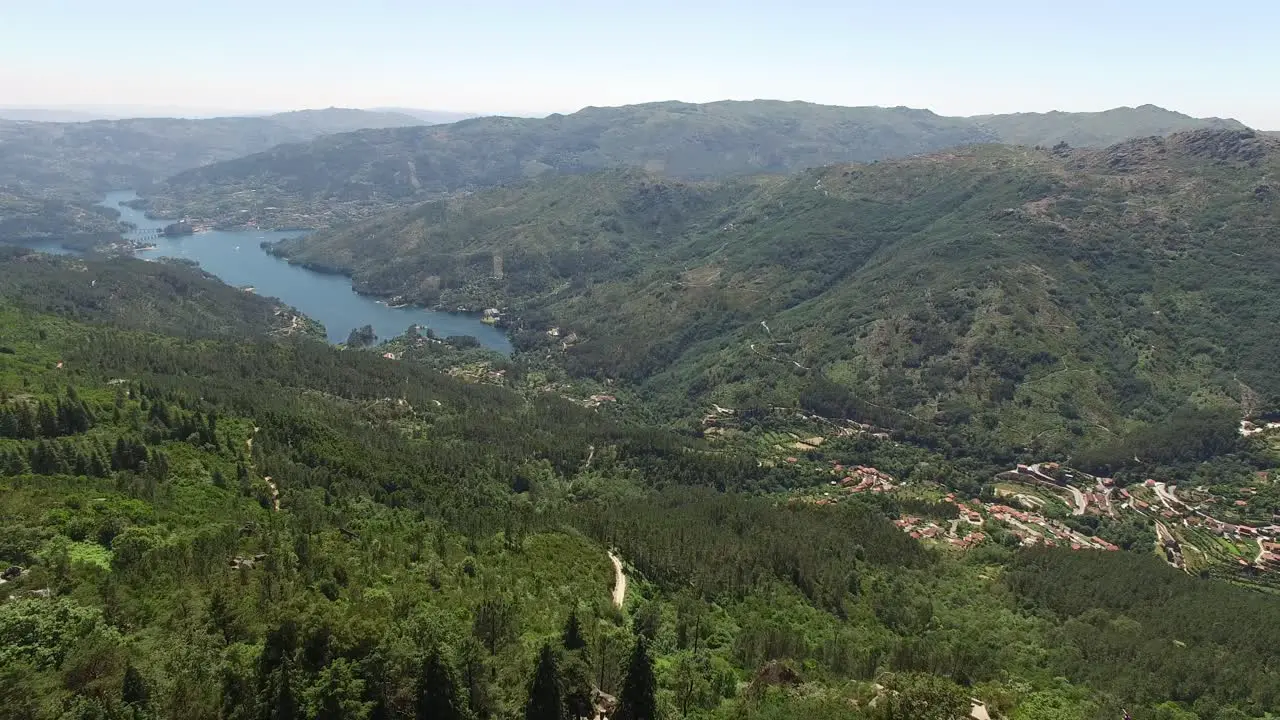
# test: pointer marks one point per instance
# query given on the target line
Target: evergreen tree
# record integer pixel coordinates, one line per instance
(8, 423)
(544, 690)
(638, 700)
(46, 420)
(26, 422)
(133, 691)
(579, 698)
(473, 666)
(436, 695)
(284, 706)
(572, 637)
(494, 622)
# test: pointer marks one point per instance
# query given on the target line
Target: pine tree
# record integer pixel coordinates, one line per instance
(46, 420)
(638, 698)
(27, 426)
(494, 622)
(544, 690)
(572, 638)
(284, 706)
(436, 696)
(133, 691)
(8, 423)
(575, 681)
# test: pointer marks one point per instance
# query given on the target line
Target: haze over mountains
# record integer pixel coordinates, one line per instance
(91, 157)
(87, 113)
(339, 178)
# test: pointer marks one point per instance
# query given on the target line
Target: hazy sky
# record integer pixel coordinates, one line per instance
(953, 56)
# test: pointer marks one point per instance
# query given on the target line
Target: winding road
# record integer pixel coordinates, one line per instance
(619, 580)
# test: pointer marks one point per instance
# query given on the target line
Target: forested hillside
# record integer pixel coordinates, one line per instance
(26, 218)
(1051, 299)
(217, 524)
(334, 180)
(166, 297)
(81, 159)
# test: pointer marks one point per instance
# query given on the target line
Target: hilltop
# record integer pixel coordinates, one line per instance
(340, 178)
(1095, 129)
(1005, 296)
(85, 158)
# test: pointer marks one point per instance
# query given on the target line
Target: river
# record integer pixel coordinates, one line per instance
(238, 259)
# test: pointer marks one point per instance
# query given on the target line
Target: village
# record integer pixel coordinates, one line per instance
(1043, 503)
(1035, 501)
(970, 527)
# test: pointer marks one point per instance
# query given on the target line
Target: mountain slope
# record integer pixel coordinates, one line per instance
(1095, 129)
(25, 218)
(338, 179)
(158, 297)
(89, 157)
(547, 232)
(362, 172)
(1028, 297)
(206, 522)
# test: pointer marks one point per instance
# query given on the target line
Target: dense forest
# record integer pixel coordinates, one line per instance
(214, 520)
(27, 218)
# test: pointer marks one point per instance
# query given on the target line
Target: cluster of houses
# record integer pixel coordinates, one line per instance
(921, 529)
(1032, 528)
(860, 479)
(479, 373)
(1169, 507)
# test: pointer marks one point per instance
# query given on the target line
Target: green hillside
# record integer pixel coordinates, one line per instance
(221, 525)
(1020, 297)
(26, 218)
(85, 158)
(217, 522)
(1095, 129)
(166, 297)
(338, 179)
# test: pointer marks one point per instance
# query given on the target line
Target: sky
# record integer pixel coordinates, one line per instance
(540, 56)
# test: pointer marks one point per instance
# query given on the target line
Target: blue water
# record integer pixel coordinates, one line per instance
(238, 260)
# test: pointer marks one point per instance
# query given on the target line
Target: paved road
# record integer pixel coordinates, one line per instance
(1080, 503)
(619, 580)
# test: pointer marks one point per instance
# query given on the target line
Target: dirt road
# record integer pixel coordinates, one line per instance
(619, 580)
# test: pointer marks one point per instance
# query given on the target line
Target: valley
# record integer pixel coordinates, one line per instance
(985, 290)
(753, 411)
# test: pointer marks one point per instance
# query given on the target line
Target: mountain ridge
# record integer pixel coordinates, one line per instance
(345, 177)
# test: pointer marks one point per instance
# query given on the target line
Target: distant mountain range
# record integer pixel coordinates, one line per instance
(88, 113)
(47, 158)
(1032, 297)
(340, 178)
(1094, 129)
(431, 117)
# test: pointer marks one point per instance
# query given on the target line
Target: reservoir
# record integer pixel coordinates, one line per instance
(238, 260)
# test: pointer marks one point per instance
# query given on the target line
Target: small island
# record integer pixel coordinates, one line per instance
(178, 229)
